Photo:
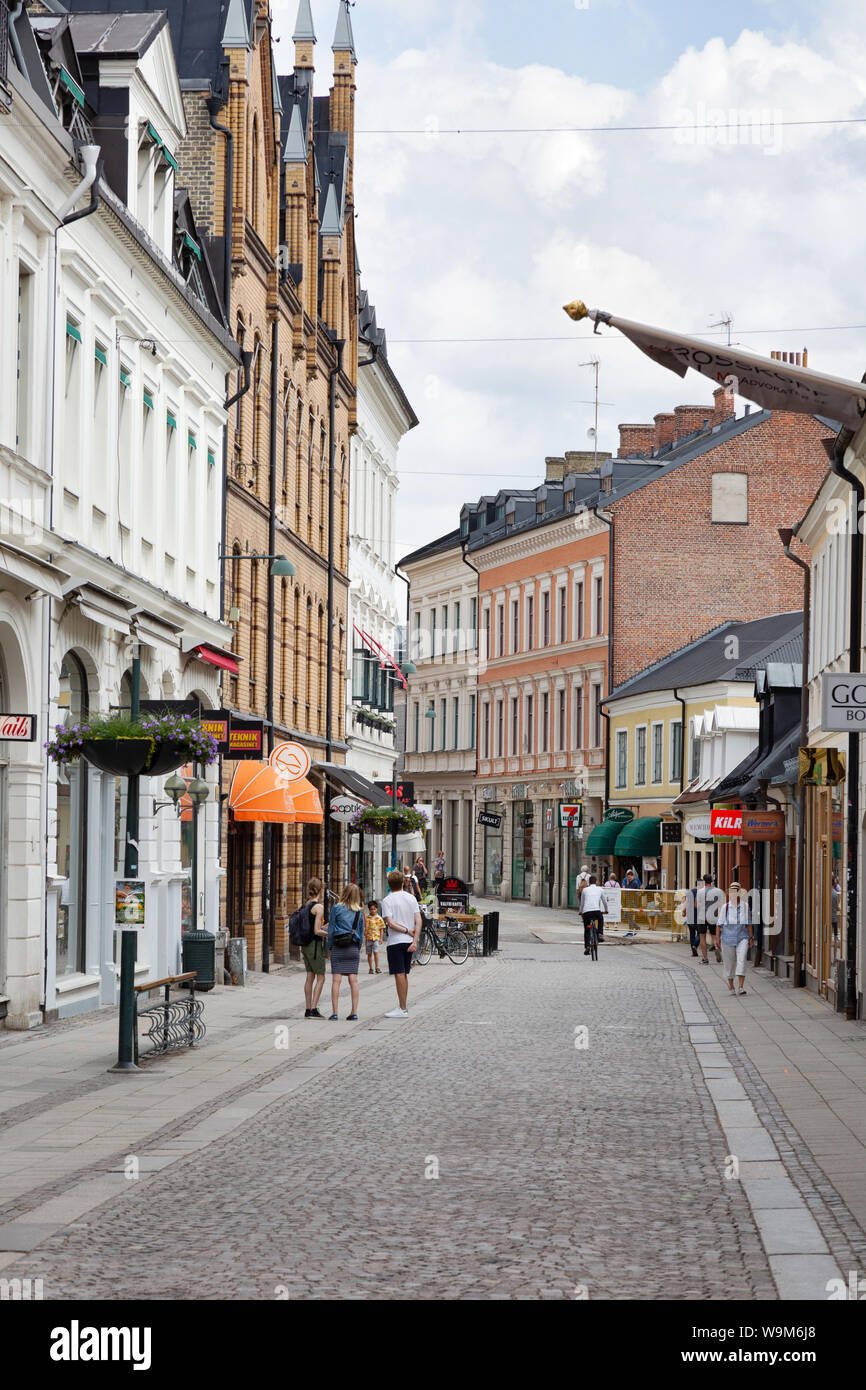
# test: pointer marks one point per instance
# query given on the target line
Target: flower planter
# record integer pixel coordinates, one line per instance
(167, 758)
(119, 757)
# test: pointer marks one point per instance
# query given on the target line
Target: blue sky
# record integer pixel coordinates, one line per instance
(486, 236)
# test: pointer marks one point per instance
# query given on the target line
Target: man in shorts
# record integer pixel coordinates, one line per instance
(708, 901)
(400, 911)
(313, 955)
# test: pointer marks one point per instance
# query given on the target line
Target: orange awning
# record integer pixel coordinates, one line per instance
(258, 793)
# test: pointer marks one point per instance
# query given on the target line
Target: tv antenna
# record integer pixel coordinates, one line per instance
(725, 322)
(595, 363)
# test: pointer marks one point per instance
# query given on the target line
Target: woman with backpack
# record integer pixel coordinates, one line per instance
(307, 930)
(345, 938)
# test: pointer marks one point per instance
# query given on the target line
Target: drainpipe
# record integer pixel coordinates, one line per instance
(786, 535)
(15, 14)
(682, 704)
(90, 158)
(608, 521)
(855, 589)
(329, 664)
(268, 905)
(463, 556)
(214, 105)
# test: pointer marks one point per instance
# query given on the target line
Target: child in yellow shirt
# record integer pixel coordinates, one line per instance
(374, 930)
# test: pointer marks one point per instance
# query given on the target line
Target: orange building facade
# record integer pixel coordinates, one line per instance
(543, 648)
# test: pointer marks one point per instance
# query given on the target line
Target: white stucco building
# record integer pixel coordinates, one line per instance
(111, 468)
(377, 598)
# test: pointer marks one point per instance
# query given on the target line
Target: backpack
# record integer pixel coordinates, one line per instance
(301, 931)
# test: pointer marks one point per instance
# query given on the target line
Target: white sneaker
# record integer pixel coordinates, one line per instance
(398, 1013)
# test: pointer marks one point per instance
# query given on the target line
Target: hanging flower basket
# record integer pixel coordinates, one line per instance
(120, 757)
(381, 820)
(123, 747)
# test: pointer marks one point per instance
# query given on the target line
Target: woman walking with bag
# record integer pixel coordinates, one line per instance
(734, 931)
(345, 937)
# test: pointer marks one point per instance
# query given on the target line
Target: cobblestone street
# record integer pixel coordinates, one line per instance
(476, 1151)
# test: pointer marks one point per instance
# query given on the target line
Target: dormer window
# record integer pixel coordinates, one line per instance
(156, 165)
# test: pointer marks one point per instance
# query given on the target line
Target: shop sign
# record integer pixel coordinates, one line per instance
(128, 903)
(344, 809)
(246, 738)
(726, 824)
(672, 832)
(836, 825)
(843, 701)
(453, 902)
(613, 898)
(699, 827)
(821, 767)
(17, 728)
(216, 722)
(571, 815)
(488, 818)
(764, 825)
(405, 791)
(619, 814)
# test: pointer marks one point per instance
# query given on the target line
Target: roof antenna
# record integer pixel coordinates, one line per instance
(595, 363)
(725, 322)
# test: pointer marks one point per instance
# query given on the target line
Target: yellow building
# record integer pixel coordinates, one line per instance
(674, 731)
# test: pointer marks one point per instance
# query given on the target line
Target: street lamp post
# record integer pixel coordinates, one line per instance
(128, 936)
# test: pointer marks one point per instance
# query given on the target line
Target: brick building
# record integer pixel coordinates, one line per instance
(694, 534)
(269, 166)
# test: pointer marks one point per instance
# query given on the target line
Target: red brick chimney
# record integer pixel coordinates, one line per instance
(723, 405)
(689, 418)
(664, 429)
(636, 439)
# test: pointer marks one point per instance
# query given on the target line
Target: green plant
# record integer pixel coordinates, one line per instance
(383, 819)
(177, 732)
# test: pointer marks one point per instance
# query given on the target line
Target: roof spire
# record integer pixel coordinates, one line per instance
(304, 29)
(344, 39)
(237, 31)
(331, 225)
(296, 145)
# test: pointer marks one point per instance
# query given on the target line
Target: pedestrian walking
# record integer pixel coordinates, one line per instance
(403, 919)
(708, 901)
(593, 906)
(439, 866)
(631, 880)
(734, 930)
(421, 873)
(611, 882)
(410, 884)
(692, 917)
(374, 931)
(345, 934)
(307, 931)
(581, 881)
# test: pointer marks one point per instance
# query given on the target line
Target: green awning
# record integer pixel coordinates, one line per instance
(192, 246)
(640, 837)
(148, 400)
(602, 839)
(191, 441)
(72, 331)
(125, 378)
(170, 420)
(71, 86)
(211, 458)
(100, 355)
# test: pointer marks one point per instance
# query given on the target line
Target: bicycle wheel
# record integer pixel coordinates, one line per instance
(457, 946)
(424, 949)
(593, 944)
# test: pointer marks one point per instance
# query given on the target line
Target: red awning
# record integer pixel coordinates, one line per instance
(217, 658)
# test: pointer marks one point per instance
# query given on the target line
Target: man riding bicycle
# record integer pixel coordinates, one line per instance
(593, 906)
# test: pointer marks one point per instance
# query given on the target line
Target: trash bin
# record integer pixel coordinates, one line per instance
(237, 959)
(490, 931)
(199, 954)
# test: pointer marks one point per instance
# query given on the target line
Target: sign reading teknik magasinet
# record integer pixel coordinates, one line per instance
(773, 385)
(843, 702)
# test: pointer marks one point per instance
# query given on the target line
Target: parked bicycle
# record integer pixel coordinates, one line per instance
(447, 940)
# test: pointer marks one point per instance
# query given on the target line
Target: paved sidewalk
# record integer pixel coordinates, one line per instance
(811, 1059)
(69, 1127)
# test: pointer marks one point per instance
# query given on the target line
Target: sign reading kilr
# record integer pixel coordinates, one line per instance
(727, 824)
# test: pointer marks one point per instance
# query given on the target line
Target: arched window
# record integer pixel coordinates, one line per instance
(299, 460)
(258, 372)
(296, 673)
(73, 700)
(254, 630)
(322, 669)
(240, 334)
(284, 647)
(310, 448)
(287, 425)
(254, 174)
(309, 655)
